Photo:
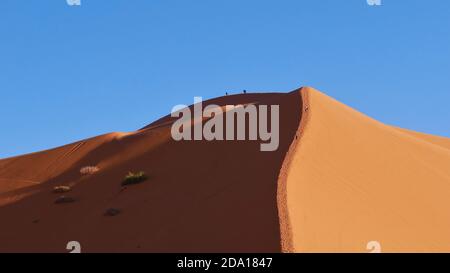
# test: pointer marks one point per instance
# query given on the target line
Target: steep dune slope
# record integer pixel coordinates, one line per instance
(353, 180)
(201, 196)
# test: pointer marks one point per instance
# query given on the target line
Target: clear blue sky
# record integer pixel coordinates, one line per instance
(67, 73)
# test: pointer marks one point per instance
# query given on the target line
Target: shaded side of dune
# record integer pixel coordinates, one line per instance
(201, 196)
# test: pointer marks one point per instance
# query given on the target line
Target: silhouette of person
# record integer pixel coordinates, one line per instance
(245, 91)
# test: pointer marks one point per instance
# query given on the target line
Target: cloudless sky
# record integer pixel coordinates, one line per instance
(68, 73)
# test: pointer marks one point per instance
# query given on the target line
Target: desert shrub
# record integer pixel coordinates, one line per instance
(61, 189)
(134, 178)
(112, 212)
(89, 170)
(64, 199)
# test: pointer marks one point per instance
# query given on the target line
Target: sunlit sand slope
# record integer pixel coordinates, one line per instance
(353, 180)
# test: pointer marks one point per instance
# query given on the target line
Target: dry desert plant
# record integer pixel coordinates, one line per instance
(64, 199)
(112, 212)
(89, 170)
(134, 178)
(61, 189)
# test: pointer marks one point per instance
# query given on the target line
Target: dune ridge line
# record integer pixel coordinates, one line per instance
(287, 245)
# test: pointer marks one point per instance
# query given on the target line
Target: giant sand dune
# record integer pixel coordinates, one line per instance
(337, 181)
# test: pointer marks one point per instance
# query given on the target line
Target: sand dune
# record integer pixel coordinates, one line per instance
(338, 180)
(353, 180)
(201, 196)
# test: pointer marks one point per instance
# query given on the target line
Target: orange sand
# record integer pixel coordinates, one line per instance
(353, 180)
(338, 180)
(201, 196)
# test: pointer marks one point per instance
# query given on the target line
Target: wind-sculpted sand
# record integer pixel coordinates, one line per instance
(201, 196)
(353, 180)
(337, 181)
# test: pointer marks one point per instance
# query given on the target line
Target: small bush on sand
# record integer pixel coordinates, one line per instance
(61, 189)
(89, 170)
(112, 212)
(64, 199)
(134, 178)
